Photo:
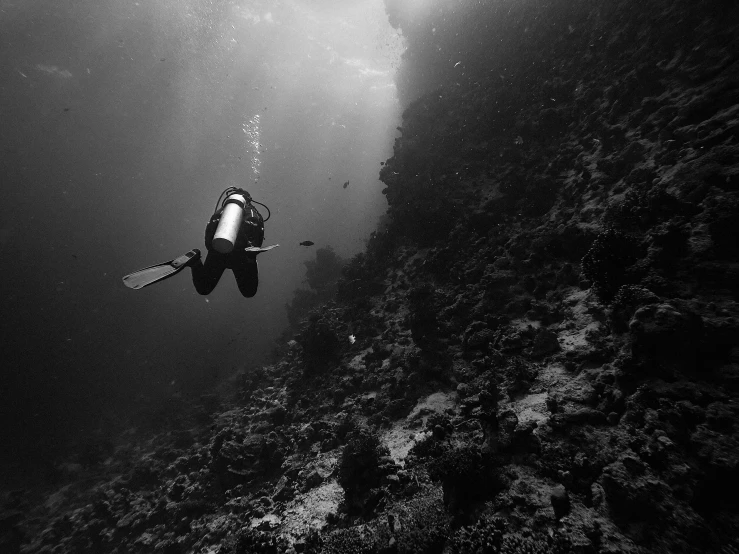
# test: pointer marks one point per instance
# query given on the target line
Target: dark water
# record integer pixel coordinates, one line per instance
(121, 122)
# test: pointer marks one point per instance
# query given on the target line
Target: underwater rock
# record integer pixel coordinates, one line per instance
(666, 336)
(560, 501)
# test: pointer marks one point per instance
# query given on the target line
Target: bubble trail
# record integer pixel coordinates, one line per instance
(252, 132)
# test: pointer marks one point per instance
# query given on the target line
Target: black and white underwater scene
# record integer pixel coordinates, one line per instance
(369, 276)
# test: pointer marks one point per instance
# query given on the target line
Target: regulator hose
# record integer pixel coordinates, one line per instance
(269, 213)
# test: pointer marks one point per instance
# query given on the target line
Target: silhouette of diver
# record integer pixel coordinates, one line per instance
(233, 238)
(229, 252)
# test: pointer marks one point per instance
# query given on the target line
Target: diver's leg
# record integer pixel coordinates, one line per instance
(205, 276)
(247, 274)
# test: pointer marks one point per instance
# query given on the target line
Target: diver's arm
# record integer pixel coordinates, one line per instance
(253, 226)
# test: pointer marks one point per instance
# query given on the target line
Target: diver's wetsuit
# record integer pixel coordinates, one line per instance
(205, 276)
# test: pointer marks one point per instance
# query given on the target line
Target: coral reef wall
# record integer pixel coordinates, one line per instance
(538, 353)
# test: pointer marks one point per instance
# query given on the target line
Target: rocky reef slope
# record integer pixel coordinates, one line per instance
(538, 353)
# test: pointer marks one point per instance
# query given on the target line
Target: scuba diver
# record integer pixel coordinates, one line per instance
(233, 238)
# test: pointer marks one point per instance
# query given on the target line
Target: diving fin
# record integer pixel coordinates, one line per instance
(260, 249)
(152, 274)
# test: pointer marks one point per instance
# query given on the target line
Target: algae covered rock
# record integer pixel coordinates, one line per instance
(666, 336)
(360, 469)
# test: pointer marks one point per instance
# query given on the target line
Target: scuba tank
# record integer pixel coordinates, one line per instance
(232, 211)
(231, 219)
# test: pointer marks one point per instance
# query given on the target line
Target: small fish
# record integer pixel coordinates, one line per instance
(307, 243)
(346, 184)
(456, 64)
